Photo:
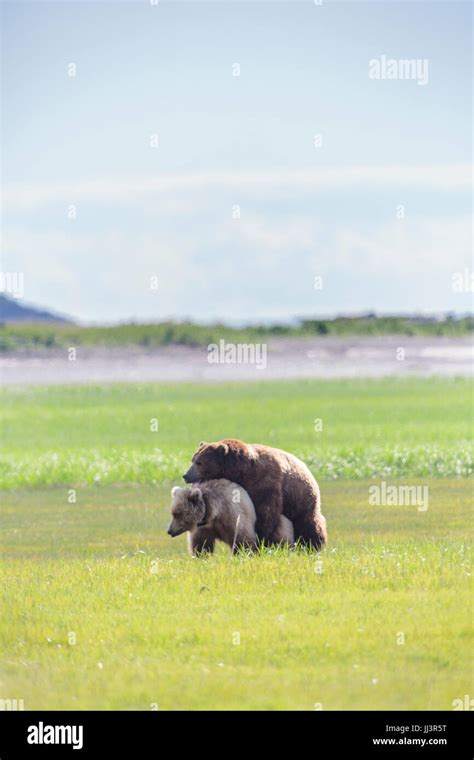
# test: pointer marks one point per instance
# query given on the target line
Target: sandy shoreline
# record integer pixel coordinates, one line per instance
(324, 357)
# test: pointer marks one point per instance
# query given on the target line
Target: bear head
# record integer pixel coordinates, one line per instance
(188, 510)
(223, 459)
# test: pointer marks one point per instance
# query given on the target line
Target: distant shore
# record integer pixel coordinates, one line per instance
(32, 336)
(283, 358)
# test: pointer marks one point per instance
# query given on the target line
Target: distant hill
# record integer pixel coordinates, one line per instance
(12, 310)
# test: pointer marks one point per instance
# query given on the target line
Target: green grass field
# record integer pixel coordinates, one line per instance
(101, 609)
(104, 610)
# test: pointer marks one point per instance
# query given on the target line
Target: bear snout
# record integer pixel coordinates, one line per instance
(173, 532)
(189, 476)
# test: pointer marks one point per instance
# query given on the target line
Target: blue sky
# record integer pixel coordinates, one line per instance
(380, 210)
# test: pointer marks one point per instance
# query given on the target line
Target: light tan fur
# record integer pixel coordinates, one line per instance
(218, 510)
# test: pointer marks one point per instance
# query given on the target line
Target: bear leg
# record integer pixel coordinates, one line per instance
(268, 508)
(244, 540)
(201, 541)
(310, 530)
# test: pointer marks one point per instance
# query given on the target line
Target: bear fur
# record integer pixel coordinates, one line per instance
(218, 509)
(277, 482)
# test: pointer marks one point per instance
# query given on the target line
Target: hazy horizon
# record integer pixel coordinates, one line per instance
(289, 320)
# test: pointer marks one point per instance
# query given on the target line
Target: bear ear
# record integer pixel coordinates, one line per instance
(175, 490)
(195, 494)
(222, 449)
(202, 443)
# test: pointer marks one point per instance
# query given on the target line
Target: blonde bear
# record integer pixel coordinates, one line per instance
(218, 510)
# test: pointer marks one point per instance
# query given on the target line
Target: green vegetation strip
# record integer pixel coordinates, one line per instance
(344, 429)
(44, 336)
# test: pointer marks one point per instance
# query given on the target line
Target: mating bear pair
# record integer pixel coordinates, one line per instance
(277, 483)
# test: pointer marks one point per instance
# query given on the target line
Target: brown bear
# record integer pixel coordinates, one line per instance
(277, 482)
(218, 509)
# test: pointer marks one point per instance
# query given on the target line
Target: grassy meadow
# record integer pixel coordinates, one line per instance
(101, 609)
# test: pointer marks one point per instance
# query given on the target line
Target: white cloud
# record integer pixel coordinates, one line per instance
(290, 234)
(135, 189)
(256, 267)
(419, 246)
